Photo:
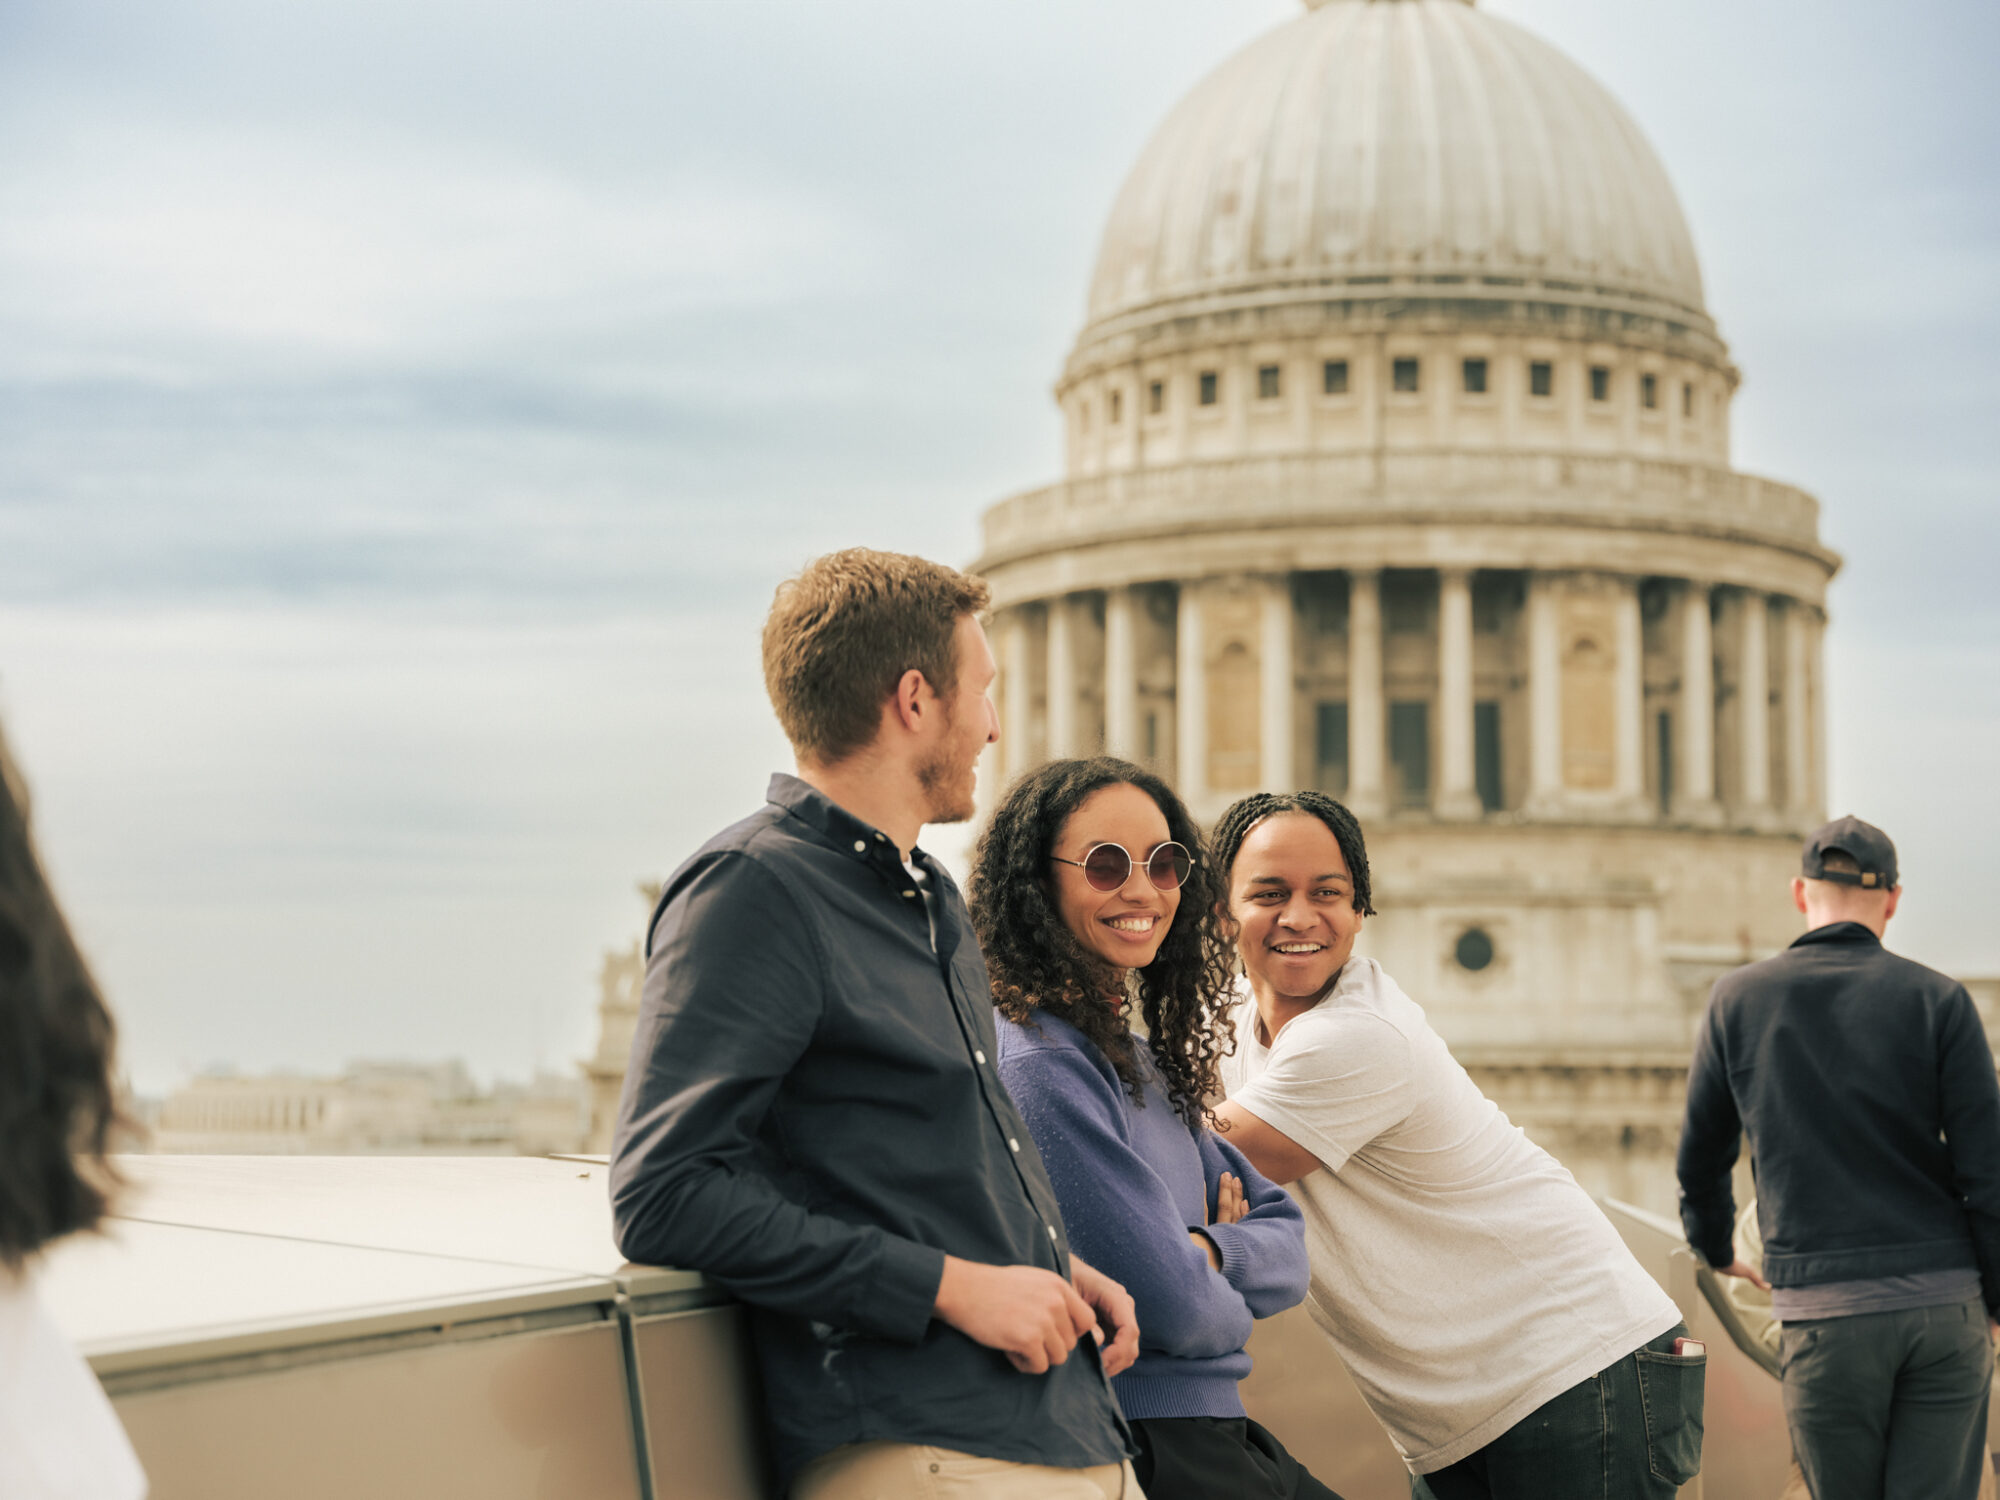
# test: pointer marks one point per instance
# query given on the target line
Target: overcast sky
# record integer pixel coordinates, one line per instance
(407, 407)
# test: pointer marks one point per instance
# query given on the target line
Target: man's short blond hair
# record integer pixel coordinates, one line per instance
(842, 633)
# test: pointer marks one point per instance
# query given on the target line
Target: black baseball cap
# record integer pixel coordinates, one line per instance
(1864, 843)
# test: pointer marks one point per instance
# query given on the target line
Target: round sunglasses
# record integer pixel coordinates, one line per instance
(1106, 867)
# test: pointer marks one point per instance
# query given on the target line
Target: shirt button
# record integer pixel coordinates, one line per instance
(881, 838)
(910, 894)
(1013, 1145)
(860, 846)
(978, 1057)
(1052, 1231)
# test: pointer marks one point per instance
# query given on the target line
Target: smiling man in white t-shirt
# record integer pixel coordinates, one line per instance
(1488, 1311)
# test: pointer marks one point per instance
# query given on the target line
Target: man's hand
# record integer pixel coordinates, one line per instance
(1032, 1316)
(1115, 1311)
(1743, 1268)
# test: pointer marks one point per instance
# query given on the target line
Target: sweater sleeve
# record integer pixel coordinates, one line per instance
(1119, 1215)
(1264, 1252)
(1970, 1096)
(1711, 1138)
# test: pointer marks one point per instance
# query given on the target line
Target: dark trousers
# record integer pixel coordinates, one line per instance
(1630, 1432)
(1890, 1405)
(1218, 1458)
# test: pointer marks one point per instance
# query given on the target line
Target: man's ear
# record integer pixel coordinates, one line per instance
(1799, 893)
(914, 699)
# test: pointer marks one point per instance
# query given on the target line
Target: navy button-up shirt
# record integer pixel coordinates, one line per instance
(812, 1118)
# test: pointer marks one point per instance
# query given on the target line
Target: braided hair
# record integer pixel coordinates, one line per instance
(1235, 824)
(1037, 964)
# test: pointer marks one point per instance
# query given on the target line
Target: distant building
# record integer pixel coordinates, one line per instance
(374, 1108)
(617, 1017)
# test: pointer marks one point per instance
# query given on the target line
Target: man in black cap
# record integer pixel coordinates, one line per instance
(1866, 1088)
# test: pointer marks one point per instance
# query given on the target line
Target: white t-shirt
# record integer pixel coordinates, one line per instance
(59, 1438)
(1459, 1269)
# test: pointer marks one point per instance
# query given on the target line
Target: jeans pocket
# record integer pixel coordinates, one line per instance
(1671, 1387)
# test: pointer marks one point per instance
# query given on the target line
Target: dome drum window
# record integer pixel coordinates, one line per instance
(1541, 378)
(1117, 407)
(1156, 397)
(1209, 383)
(1475, 377)
(1404, 374)
(1474, 950)
(1269, 382)
(1649, 391)
(1333, 377)
(1600, 382)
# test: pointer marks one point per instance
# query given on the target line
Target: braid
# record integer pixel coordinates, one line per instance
(1234, 826)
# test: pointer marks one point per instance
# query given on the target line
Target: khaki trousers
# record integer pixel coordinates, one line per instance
(905, 1471)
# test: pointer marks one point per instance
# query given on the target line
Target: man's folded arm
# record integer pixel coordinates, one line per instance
(732, 996)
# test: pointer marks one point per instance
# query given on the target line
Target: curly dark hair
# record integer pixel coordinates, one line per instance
(1038, 965)
(57, 1109)
(1235, 824)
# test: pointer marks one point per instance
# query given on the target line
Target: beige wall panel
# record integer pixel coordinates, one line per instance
(534, 1417)
(1589, 692)
(700, 1402)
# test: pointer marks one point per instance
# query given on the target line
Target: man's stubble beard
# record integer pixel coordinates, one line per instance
(949, 783)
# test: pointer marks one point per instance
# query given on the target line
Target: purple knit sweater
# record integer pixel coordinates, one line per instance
(1132, 1182)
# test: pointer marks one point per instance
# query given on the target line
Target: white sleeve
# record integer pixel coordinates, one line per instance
(1334, 1083)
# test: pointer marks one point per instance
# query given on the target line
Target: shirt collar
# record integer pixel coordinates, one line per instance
(1838, 932)
(847, 833)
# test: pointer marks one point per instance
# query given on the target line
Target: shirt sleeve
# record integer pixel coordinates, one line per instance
(1119, 1214)
(1264, 1252)
(731, 1000)
(1335, 1082)
(1970, 1096)
(1711, 1138)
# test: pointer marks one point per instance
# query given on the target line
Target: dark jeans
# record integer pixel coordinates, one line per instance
(1218, 1458)
(1890, 1405)
(1630, 1432)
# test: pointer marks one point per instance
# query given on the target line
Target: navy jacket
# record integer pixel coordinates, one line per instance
(1866, 1087)
(813, 1118)
(1133, 1181)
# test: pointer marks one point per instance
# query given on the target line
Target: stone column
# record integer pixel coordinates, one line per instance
(1457, 787)
(1121, 674)
(1278, 740)
(1545, 759)
(1816, 682)
(1367, 733)
(1191, 701)
(1063, 728)
(1754, 708)
(1696, 772)
(1017, 694)
(1798, 715)
(1629, 774)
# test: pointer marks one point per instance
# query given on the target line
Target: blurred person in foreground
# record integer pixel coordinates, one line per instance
(59, 1439)
(1866, 1088)
(813, 1116)
(1101, 926)
(1491, 1316)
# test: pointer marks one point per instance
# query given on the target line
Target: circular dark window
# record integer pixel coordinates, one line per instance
(1475, 949)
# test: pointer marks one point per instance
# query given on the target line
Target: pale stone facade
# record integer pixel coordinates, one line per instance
(1398, 465)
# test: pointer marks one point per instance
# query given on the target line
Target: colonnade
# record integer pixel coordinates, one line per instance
(1604, 696)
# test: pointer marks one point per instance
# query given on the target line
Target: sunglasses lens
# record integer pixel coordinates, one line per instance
(1106, 867)
(1169, 866)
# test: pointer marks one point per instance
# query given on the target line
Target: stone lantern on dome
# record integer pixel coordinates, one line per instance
(1398, 464)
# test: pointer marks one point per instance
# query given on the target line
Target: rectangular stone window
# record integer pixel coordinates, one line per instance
(1333, 377)
(1486, 755)
(1687, 400)
(1541, 378)
(1663, 733)
(1600, 383)
(1268, 382)
(1410, 753)
(1209, 382)
(1330, 747)
(1403, 374)
(1156, 397)
(1475, 377)
(1649, 392)
(1152, 738)
(1117, 407)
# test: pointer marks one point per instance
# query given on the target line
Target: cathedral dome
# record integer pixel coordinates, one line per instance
(1378, 148)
